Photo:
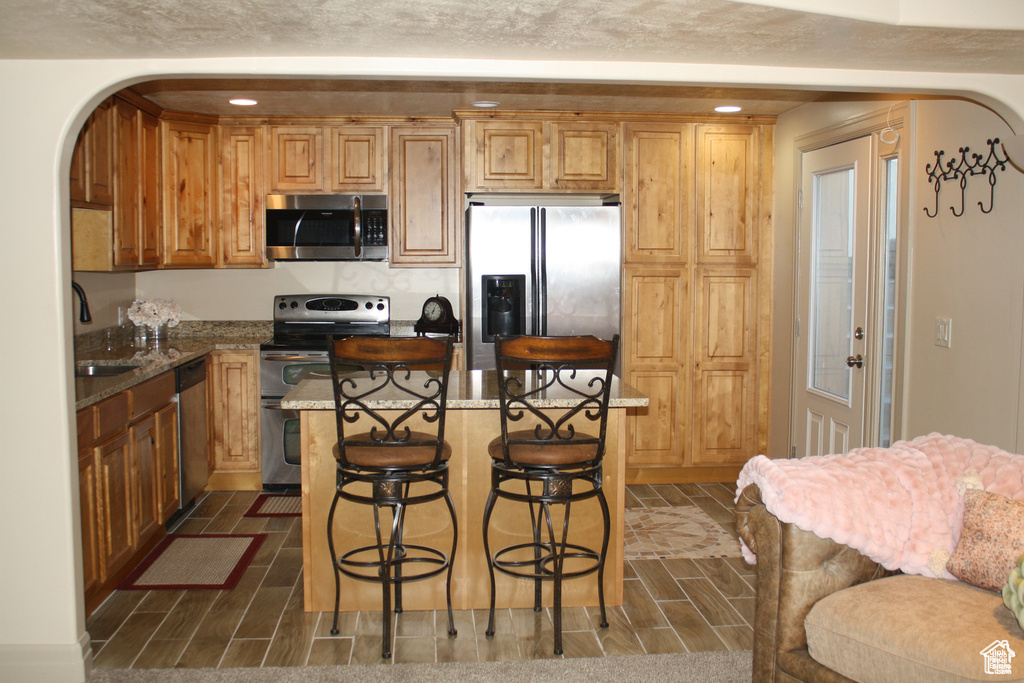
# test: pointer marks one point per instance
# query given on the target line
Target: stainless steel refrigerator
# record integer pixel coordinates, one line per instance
(547, 266)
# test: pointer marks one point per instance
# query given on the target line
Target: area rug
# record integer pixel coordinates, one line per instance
(275, 505)
(678, 532)
(195, 562)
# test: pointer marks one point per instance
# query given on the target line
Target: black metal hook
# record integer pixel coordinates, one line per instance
(960, 169)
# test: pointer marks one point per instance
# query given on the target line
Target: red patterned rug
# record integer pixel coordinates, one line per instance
(195, 562)
(276, 505)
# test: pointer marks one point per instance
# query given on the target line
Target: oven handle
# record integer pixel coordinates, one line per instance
(357, 225)
(293, 357)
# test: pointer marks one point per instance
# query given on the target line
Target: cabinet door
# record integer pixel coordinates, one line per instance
(728, 193)
(234, 401)
(296, 159)
(357, 157)
(92, 551)
(725, 357)
(77, 175)
(655, 344)
(584, 156)
(116, 518)
(424, 215)
(190, 186)
(146, 485)
(100, 155)
(658, 194)
(242, 227)
(505, 155)
(127, 188)
(167, 461)
(149, 187)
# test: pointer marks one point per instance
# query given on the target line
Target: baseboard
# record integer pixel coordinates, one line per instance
(59, 663)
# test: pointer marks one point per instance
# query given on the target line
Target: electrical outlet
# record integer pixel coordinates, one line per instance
(943, 332)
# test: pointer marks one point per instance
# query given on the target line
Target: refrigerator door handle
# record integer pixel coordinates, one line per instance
(541, 304)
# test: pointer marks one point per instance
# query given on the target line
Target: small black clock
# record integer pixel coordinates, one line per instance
(437, 317)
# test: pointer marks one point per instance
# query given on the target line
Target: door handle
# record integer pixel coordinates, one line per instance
(855, 361)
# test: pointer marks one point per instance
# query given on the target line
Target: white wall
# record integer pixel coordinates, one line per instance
(970, 269)
(42, 633)
(247, 294)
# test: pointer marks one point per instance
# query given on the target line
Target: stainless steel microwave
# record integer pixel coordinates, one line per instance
(327, 227)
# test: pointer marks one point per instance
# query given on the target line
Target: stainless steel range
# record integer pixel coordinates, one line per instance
(302, 323)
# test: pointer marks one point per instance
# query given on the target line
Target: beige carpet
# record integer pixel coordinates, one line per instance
(275, 505)
(676, 533)
(189, 561)
(693, 667)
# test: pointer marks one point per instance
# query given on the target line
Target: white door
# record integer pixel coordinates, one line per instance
(831, 362)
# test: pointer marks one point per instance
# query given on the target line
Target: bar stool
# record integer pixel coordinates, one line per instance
(404, 461)
(550, 456)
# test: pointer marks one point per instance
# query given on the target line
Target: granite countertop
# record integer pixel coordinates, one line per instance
(194, 340)
(470, 389)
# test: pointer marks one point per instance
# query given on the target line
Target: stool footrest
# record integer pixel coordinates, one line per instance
(437, 560)
(539, 565)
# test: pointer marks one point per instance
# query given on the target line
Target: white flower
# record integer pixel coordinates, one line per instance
(155, 312)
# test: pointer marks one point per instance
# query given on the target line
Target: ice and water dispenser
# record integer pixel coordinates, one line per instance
(504, 306)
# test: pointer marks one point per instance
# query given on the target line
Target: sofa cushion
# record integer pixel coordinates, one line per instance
(912, 628)
(990, 542)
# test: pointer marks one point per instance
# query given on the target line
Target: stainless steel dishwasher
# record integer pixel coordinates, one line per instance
(193, 458)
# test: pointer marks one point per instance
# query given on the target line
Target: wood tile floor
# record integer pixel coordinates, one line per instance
(670, 606)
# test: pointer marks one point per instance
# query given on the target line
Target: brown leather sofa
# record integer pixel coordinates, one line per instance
(904, 628)
(795, 569)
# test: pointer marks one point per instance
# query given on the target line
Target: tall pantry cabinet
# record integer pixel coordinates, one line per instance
(696, 209)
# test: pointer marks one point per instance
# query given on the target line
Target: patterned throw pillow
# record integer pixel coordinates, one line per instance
(991, 540)
(1013, 592)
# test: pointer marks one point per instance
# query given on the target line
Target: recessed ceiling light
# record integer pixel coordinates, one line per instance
(485, 104)
(729, 109)
(243, 102)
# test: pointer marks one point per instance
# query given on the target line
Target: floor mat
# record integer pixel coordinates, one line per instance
(275, 505)
(677, 532)
(193, 562)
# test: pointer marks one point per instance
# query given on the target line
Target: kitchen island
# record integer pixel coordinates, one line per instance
(472, 421)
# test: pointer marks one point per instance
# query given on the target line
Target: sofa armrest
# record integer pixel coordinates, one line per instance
(795, 569)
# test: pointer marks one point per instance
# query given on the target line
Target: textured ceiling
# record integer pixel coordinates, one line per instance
(679, 31)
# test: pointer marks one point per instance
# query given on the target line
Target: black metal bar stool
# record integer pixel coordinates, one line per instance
(550, 456)
(404, 465)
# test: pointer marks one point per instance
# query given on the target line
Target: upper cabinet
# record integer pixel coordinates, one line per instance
(315, 159)
(425, 218)
(243, 242)
(520, 155)
(191, 212)
(92, 163)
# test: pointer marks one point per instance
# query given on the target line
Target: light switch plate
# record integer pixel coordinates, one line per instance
(943, 331)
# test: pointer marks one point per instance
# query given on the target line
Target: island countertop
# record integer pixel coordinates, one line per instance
(467, 390)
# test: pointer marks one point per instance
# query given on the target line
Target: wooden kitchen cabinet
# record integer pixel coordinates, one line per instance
(728, 193)
(520, 155)
(127, 463)
(424, 213)
(658, 198)
(234, 420)
(695, 312)
(92, 162)
(358, 158)
(296, 159)
(190, 194)
(243, 231)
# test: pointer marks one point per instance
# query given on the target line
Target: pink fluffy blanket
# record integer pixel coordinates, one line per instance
(899, 506)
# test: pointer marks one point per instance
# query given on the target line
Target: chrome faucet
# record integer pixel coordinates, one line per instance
(84, 314)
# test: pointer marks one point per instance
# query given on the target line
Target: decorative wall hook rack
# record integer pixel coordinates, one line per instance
(961, 169)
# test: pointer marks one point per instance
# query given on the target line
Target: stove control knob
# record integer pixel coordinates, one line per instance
(282, 305)
(369, 306)
(380, 307)
(295, 304)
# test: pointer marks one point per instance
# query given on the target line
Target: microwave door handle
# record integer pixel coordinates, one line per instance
(298, 224)
(357, 225)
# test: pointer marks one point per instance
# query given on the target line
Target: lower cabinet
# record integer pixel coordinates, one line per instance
(234, 421)
(127, 467)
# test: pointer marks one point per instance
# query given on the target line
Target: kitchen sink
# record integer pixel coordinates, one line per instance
(102, 370)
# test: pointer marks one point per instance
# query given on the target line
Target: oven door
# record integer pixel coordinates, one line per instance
(280, 445)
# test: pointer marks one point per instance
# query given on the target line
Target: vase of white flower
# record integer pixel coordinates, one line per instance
(152, 319)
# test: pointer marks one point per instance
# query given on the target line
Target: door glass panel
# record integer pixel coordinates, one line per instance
(888, 303)
(832, 283)
(293, 374)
